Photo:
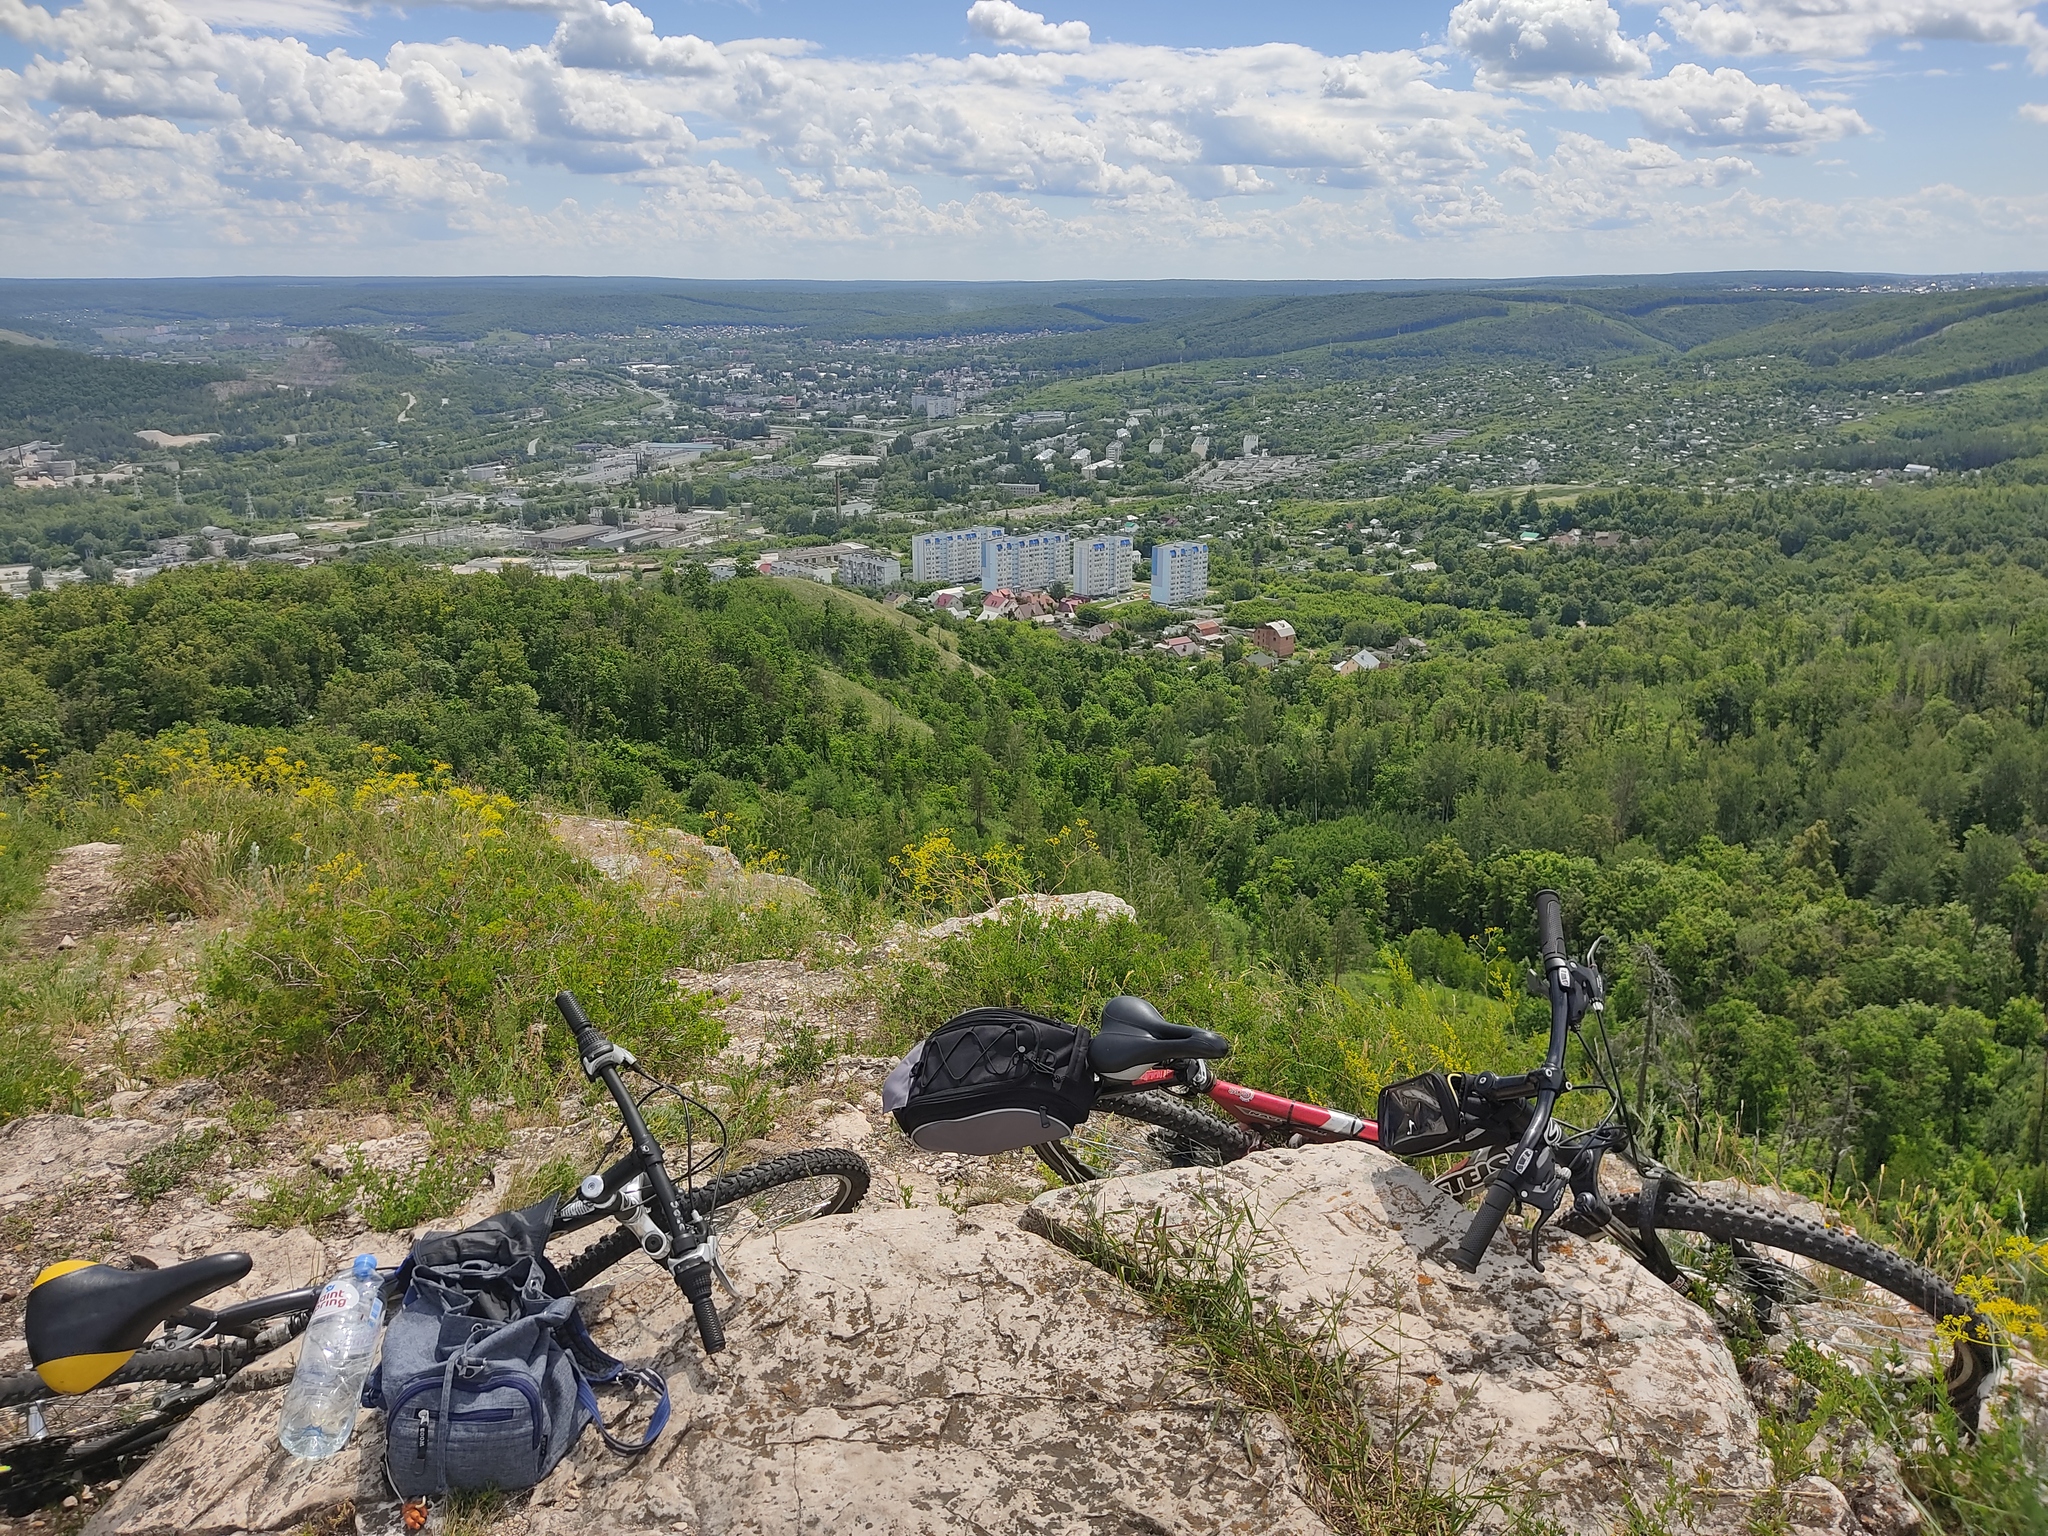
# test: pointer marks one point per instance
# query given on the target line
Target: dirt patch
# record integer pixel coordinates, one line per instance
(82, 894)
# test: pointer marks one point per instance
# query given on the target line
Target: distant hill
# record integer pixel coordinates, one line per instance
(72, 397)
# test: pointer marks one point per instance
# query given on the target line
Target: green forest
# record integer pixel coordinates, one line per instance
(1786, 748)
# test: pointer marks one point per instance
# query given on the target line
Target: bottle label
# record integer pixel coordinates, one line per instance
(338, 1297)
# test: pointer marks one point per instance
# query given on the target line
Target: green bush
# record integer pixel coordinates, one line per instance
(421, 936)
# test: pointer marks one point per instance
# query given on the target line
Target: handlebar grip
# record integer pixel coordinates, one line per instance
(572, 1011)
(1550, 924)
(695, 1283)
(1485, 1222)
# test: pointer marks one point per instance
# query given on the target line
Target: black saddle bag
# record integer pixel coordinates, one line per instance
(993, 1080)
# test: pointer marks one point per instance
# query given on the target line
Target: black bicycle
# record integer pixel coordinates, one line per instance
(98, 1334)
(1161, 1105)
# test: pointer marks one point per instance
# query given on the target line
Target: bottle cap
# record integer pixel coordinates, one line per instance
(365, 1266)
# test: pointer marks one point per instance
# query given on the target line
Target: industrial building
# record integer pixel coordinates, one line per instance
(1180, 574)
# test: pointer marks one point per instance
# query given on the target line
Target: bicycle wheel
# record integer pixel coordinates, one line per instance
(1725, 1221)
(765, 1197)
(1143, 1133)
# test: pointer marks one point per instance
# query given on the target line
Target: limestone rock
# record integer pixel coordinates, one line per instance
(890, 1371)
(40, 1154)
(664, 863)
(1099, 905)
(1576, 1393)
(1816, 1507)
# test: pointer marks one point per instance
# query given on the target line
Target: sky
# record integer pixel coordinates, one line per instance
(943, 139)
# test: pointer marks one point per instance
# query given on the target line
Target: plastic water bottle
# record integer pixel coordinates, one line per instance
(334, 1359)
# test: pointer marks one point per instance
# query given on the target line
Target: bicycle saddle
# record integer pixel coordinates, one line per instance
(84, 1320)
(1132, 1036)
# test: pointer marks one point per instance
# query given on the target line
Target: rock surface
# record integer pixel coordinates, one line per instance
(1099, 905)
(663, 863)
(83, 892)
(40, 1154)
(900, 1371)
(1580, 1393)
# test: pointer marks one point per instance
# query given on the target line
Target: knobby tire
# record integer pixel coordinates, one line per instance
(1728, 1222)
(1203, 1139)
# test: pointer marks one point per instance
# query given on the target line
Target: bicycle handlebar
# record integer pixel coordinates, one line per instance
(601, 1061)
(1500, 1194)
(1550, 926)
(1506, 1187)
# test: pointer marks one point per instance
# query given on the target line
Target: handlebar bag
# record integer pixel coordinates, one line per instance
(993, 1080)
(487, 1373)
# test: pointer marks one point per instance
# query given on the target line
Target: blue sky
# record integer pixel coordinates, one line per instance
(989, 139)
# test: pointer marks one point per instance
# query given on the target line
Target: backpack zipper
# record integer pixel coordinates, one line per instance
(500, 1379)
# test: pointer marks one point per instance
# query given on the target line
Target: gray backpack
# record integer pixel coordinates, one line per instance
(487, 1373)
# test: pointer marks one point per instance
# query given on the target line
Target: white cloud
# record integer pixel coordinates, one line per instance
(620, 37)
(1725, 108)
(1545, 39)
(2034, 111)
(1836, 29)
(141, 120)
(1588, 184)
(1004, 22)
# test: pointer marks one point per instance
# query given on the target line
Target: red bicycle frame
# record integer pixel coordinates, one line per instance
(1261, 1111)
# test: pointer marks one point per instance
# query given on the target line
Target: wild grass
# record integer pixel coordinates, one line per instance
(1366, 1478)
(420, 934)
(171, 1166)
(537, 1178)
(457, 1161)
(44, 1003)
(1989, 1482)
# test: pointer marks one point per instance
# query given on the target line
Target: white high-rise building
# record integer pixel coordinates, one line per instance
(953, 554)
(1026, 562)
(1102, 565)
(1180, 574)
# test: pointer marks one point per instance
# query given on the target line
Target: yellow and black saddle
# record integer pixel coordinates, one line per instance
(84, 1320)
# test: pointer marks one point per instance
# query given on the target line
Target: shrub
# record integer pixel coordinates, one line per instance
(420, 935)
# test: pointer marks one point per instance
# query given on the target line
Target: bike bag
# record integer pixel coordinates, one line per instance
(487, 1375)
(993, 1080)
(1420, 1116)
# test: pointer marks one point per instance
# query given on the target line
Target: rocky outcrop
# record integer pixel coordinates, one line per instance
(1099, 905)
(900, 1371)
(1583, 1393)
(664, 863)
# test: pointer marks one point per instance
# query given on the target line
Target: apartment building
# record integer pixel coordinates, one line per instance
(1028, 562)
(951, 554)
(1180, 574)
(1102, 565)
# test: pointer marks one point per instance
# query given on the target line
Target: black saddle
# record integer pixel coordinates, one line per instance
(83, 1321)
(1133, 1035)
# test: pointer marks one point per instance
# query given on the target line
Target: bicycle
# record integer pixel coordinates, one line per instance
(96, 1332)
(1153, 1076)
